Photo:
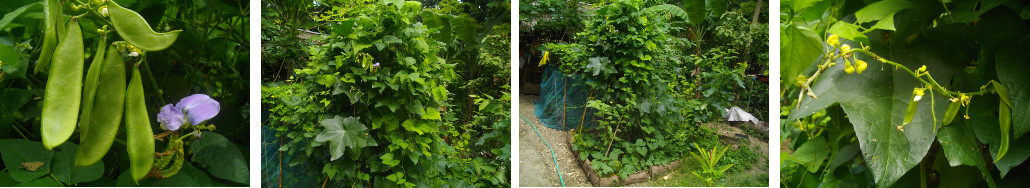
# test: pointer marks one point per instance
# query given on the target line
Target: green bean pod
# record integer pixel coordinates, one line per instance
(106, 110)
(63, 89)
(911, 112)
(51, 19)
(952, 111)
(134, 29)
(1005, 121)
(140, 144)
(90, 89)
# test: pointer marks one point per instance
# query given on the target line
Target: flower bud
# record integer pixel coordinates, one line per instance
(845, 48)
(833, 40)
(847, 67)
(860, 66)
(800, 80)
(921, 69)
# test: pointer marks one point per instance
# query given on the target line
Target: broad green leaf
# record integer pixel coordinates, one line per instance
(433, 20)
(65, 170)
(885, 24)
(716, 7)
(11, 62)
(343, 28)
(671, 9)
(16, 151)
(799, 5)
(220, 157)
(812, 154)
(10, 16)
(41, 182)
(188, 176)
(881, 10)
(848, 31)
(390, 39)
(466, 28)
(431, 114)
(695, 11)
(1013, 66)
(868, 97)
(343, 133)
(388, 160)
(595, 65)
(800, 47)
(960, 145)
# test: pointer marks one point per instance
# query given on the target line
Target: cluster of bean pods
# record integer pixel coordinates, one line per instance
(70, 101)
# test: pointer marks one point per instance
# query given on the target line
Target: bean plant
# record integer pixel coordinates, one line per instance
(650, 81)
(904, 93)
(398, 94)
(94, 102)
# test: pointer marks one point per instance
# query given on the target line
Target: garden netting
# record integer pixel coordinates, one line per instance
(559, 91)
(276, 170)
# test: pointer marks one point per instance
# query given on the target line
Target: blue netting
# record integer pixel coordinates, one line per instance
(559, 91)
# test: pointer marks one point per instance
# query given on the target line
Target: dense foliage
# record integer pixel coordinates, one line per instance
(61, 116)
(654, 71)
(397, 93)
(904, 93)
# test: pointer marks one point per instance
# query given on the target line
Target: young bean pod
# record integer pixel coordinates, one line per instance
(106, 110)
(1004, 121)
(90, 89)
(51, 17)
(63, 89)
(134, 29)
(140, 144)
(952, 110)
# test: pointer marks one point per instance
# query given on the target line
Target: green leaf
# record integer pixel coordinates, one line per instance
(16, 151)
(695, 11)
(433, 20)
(220, 157)
(812, 154)
(343, 28)
(881, 10)
(390, 39)
(1013, 66)
(65, 170)
(389, 160)
(13, 65)
(799, 5)
(875, 102)
(848, 31)
(799, 47)
(343, 133)
(188, 176)
(885, 24)
(431, 114)
(41, 182)
(960, 145)
(34, 7)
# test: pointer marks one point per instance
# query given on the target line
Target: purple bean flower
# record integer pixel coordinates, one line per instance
(375, 65)
(194, 109)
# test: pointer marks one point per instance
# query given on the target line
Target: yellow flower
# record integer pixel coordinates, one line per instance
(833, 40)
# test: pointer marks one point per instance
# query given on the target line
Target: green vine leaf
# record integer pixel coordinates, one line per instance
(16, 151)
(343, 133)
(882, 10)
(800, 48)
(866, 97)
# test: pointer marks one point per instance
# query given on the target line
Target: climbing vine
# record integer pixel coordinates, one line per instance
(884, 93)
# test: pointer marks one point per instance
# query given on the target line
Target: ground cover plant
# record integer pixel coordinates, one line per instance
(655, 70)
(61, 118)
(904, 93)
(393, 94)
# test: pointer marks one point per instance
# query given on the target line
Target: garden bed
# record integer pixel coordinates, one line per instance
(615, 180)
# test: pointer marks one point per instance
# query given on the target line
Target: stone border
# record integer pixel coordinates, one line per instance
(615, 180)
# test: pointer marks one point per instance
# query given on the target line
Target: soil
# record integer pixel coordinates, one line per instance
(536, 167)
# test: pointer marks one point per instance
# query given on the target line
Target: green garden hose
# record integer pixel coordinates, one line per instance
(548, 147)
